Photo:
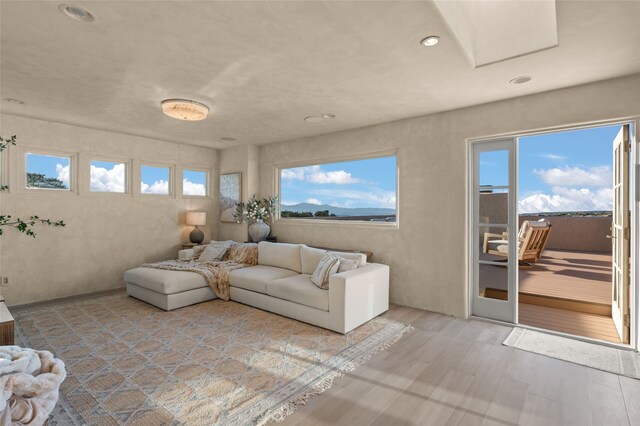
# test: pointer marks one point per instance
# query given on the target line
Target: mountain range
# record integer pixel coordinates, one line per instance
(339, 211)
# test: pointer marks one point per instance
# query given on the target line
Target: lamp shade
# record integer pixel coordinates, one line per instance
(196, 218)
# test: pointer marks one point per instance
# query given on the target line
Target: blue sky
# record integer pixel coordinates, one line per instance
(559, 172)
(109, 176)
(53, 167)
(360, 183)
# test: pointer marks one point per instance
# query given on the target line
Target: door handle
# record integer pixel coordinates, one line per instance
(611, 237)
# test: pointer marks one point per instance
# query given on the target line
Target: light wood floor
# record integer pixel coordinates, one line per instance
(572, 322)
(450, 371)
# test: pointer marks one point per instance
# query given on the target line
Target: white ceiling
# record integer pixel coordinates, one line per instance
(264, 66)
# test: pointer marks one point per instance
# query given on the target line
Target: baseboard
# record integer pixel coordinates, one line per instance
(68, 298)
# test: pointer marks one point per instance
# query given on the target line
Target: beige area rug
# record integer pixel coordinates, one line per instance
(606, 358)
(215, 363)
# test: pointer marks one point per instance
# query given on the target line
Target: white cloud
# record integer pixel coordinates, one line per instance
(554, 157)
(568, 200)
(339, 177)
(191, 188)
(313, 201)
(157, 187)
(63, 174)
(289, 203)
(315, 174)
(575, 176)
(293, 174)
(103, 180)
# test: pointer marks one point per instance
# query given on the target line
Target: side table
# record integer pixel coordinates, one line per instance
(6, 326)
(189, 245)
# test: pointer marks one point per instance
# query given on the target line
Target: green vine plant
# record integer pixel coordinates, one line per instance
(22, 225)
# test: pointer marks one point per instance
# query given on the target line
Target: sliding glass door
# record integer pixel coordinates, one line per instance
(494, 230)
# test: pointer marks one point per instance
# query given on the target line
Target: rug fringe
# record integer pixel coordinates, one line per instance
(279, 414)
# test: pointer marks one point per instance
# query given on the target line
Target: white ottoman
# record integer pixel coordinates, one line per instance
(167, 289)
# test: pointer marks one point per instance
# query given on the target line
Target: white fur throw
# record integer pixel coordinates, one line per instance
(29, 384)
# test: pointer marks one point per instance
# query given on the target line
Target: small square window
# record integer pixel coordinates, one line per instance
(108, 176)
(194, 183)
(155, 180)
(48, 172)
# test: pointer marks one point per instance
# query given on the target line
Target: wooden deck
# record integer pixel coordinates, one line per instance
(583, 276)
(566, 321)
(566, 291)
(570, 275)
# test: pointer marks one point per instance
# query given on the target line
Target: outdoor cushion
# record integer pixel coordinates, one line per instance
(280, 255)
(299, 289)
(255, 278)
(164, 281)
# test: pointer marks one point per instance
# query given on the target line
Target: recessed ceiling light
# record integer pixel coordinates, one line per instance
(328, 116)
(314, 119)
(430, 41)
(521, 80)
(226, 139)
(185, 109)
(76, 13)
(14, 101)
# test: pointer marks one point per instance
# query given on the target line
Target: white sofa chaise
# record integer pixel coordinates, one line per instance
(279, 283)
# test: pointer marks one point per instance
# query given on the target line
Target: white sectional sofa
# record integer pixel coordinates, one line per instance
(280, 283)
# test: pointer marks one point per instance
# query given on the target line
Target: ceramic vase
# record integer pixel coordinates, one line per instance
(259, 231)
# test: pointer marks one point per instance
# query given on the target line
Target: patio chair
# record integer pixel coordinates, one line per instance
(532, 238)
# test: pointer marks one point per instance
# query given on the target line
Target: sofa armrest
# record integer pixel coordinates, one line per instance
(185, 254)
(357, 296)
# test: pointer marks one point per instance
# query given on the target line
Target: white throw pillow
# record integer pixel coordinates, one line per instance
(347, 264)
(215, 251)
(328, 265)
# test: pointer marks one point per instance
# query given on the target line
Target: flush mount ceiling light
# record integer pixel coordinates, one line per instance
(226, 139)
(521, 80)
(185, 109)
(76, 13)
(430, 41)
(319, 118)
(314, 119)
(14, 101)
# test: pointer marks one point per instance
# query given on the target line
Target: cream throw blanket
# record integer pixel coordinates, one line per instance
(215, 272)
(29, 381)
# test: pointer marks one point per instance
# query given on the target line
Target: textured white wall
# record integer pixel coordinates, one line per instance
(243, 159)
(106, 234)
(427, 254)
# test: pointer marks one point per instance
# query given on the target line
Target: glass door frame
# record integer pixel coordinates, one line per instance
(484, 307)
(634, 205)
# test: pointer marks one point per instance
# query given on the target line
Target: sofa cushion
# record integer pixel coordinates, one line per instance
(347, 264)
(328, 265)
(299, 289)
(310, 257)
(164, 281)
(280, 255)
(360, 257)
(255, 278)
(215, 250)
